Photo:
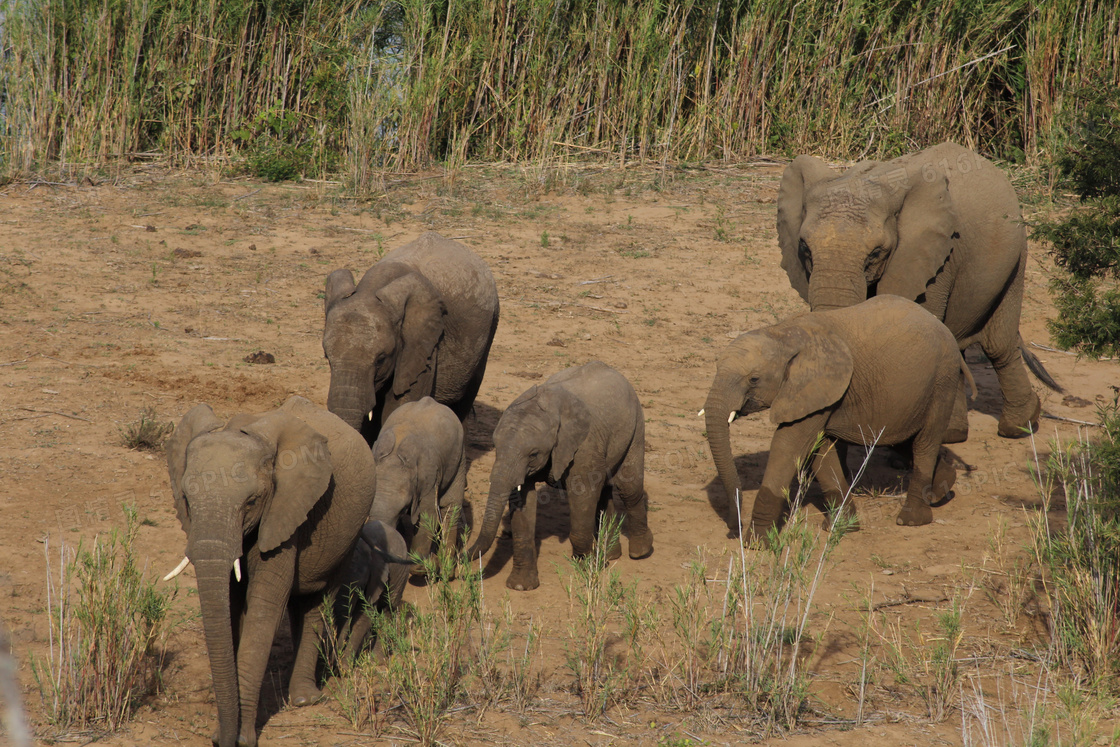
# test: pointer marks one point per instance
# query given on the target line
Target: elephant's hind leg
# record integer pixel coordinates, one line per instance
(916, 509)
(629, 481)
(1000, 341)
(606, 514)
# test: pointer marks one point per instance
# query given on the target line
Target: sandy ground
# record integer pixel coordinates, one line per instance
(150, 289)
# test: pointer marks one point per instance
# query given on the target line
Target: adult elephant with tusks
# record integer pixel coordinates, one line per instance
(419, 323)
(941, 227)
(272, 505)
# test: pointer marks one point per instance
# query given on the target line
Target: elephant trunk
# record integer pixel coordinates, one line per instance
(836, 290)
(503, 483)
(720, 404)
(392, 498)
(213, 564)
(351, 397)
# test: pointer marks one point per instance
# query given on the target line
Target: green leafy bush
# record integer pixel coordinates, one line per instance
(1086, 243)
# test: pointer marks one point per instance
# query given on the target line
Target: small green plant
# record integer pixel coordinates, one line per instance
(107, 625)
(604, 663)
(544, 239)
(273, 145)
(148, 432)
(1081, 562)
(926, 661)
(1010, 583)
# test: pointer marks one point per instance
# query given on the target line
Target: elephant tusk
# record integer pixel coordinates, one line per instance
(178, 569)
(237, 569)
(369, 416)
(518, 488)
(731, 417)
(700, 414)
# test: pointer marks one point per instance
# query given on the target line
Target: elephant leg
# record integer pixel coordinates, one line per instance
(957, 432)
(944, 477)
(1000, 341)
(269, 587)
(452, 509)
(606, 511)
(585, 490)
(829, 472)
(789, 446)
(629, 481)
(307, 628)
(523, 521)
(915, 508)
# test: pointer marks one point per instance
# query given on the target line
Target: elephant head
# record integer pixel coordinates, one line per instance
(876, 228)
(380, 340)
(401, 461)
(792, 369)
(256, 478)
(536, 438)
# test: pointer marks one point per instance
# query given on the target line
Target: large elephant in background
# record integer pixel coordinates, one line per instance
(419, 323)
(940, 227)
(272, 505)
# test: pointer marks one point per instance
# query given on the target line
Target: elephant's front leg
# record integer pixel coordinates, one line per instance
(789, 447)
(451, 507)
(523, 521)
(829, 471)
(270, 583)
(605, 510)
(307, 630)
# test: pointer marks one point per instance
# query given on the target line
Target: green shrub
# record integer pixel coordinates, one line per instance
(1086, 243)
(106, 623)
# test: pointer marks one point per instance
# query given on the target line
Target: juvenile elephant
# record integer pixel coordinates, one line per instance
(940, 227)
(366, 581)
(419, 323)
(421, 472)
(277, 499)
(883, 368)
(581, 430)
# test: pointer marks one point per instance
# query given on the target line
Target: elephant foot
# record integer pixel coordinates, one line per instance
(641, 545)
(944, 477)
(304, 694)
(955, 435)
(614, 552)
(914, 513)
(523, 579)
(842, 515)
(242, 740)
(1013, 424)
(757, 534)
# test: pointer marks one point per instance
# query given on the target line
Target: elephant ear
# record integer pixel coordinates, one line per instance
(421, 312)
(799, 176)
(340, 285)
(201, 419)
(817, 374)
(926, 230)
(301, 474)
(575, 422)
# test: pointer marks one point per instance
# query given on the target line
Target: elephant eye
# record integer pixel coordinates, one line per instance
(805, 255)
(380, 359)
(754, 380)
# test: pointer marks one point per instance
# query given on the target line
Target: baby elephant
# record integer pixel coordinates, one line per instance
(421, 473)
(366, 582)
(581, 430)
(885, 369)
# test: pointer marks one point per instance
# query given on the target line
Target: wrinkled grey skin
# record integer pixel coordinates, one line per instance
(286, 492)
(421, 473)
(581, 430)
(365, 582)
(883, 367)
(419, 323)
(941, 227)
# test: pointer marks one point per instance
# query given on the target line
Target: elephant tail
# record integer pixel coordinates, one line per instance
(967, 374)
(1036, 367)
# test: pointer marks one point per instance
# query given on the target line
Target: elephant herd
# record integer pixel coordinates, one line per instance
(903, 263)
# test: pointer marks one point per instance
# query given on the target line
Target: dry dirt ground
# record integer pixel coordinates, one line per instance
(149, 290)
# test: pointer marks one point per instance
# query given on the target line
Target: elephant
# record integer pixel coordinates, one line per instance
(884, 370)
(941, 227)
(279, 499)
(582, 430)
(366, 582)
(419, 323)
(421, 473)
